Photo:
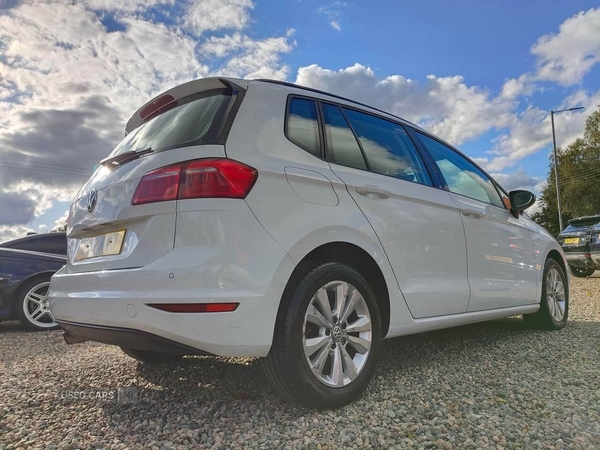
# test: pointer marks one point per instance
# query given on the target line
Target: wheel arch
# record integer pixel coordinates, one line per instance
(559, 258)
(359, 259)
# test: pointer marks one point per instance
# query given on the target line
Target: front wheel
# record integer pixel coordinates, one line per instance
(327, 338)
(554, 305)
(582, 273)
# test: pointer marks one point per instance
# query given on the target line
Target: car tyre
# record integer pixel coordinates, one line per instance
(346, 350)
(582, 273)
(32, 307)
(149, 357)
(554, 305)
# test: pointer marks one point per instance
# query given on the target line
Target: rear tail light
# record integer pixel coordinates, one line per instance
(221, 178)
(199, 178)
(160, 185)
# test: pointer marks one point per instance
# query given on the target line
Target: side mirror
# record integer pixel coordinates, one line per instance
(520, 201)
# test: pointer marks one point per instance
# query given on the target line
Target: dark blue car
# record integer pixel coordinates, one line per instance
(577, 241)
(24, 282)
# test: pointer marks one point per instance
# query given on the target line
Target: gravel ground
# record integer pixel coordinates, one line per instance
(489, 385)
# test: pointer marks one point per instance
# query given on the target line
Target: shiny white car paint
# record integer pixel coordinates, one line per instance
(215, 250)
(221, 254)
(426, 269)
(502, 264)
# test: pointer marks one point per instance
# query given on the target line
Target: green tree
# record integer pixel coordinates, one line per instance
(579, 177)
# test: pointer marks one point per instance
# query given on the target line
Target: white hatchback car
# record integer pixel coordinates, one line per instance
(264, 219)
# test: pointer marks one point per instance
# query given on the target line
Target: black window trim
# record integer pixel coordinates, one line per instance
(360, 147)
(461, 154)
(435, 182)
(288, 105)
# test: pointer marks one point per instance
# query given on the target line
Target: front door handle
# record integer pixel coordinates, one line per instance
(471, 213)
(366, 190)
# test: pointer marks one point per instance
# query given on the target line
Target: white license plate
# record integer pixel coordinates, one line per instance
(104, 245)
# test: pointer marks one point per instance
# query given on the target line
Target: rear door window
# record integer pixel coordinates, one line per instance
(342, 147)
(388, 148)
(302, 126)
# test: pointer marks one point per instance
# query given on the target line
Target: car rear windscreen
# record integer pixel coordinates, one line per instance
(195, 120)
(583, 223)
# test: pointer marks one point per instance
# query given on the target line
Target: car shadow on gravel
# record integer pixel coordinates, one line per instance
(242, 380)
(228, 384)
(11, 327)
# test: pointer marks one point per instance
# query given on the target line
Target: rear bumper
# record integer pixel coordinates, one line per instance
(582, 261)
(126, 337)
(219, 256)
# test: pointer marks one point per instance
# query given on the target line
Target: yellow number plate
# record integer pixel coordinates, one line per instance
(103, 245)
(572, 241)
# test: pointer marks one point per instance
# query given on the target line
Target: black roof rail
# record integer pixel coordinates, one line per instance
(297, 86)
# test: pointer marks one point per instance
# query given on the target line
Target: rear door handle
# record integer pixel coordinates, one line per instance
(471, 213)
(366, 190)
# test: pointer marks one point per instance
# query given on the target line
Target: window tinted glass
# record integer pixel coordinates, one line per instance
(302, 125)
(342, 147)
(461, 175)
(56, 244)
(183, 124)
(388, 148)
(29, 244)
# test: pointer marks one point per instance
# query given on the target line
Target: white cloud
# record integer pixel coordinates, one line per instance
(566, 57)
(515, 87)
(61, 221)
(333, 12)
(531, 131)
(68, 84)
(518, 180)
(445, 105)
(207, 15)
(8, 232)
(248, 57)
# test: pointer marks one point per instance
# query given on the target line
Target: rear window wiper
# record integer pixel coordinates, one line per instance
(123, 158)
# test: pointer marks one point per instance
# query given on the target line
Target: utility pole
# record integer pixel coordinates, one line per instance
(560, 219)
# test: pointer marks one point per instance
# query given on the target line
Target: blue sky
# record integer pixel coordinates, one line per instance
(482, 75)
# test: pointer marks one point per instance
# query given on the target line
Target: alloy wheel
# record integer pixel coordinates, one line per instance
(36, 306)
(337, 334)
(555, 294)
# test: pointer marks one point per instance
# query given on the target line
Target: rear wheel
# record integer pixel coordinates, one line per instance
(327, 338)
(582, 273)
(554, 305)
(32, 306)
(150, 357)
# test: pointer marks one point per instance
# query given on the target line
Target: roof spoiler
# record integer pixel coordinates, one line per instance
(168, 99)
(584, 219)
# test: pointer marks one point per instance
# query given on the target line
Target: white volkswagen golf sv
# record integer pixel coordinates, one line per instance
(264, 219)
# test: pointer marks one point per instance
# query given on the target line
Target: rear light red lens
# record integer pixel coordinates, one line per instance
(216, 178)
(195, 307)
(160, 185)
(200, 178)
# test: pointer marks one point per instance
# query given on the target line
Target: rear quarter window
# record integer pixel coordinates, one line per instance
(302, 126)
